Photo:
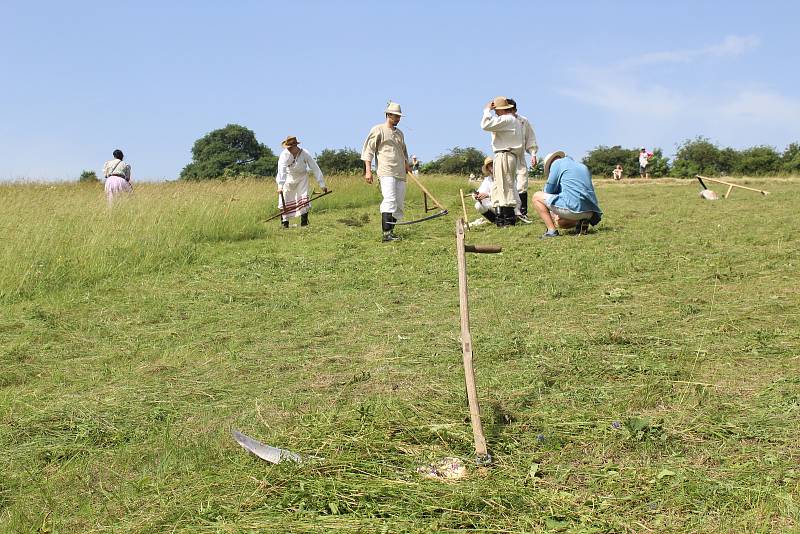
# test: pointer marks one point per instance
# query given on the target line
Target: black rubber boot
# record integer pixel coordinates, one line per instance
(492, 216)
(523, 208)
(304, 219)
(510, 216)
(499, 218)
(388, 234)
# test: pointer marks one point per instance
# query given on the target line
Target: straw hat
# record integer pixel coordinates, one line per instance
(549, 159)
(290, 141)
(394, 109)
(501, 102)
(486, 162)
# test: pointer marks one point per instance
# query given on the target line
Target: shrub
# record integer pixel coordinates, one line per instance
(340, 161)
(88, 177)
(459, 160)
(758, 161)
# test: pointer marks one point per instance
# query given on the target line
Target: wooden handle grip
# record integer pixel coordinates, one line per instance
(483, 249)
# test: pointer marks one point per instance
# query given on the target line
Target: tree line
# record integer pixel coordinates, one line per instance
(234, 151)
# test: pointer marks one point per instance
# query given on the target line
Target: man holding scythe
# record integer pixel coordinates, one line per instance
(387, 144)
(292, 179)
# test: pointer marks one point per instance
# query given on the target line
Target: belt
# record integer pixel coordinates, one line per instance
(118, 176)
(502, 151)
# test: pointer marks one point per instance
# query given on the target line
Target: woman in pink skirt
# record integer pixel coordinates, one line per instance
(118, 176)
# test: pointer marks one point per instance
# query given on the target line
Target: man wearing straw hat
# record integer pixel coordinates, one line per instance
(292, 179)
(386, 143)
(507, 142)
(483, 195)
(568, 199)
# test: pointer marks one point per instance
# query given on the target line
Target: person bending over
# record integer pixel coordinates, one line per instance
(568, 199)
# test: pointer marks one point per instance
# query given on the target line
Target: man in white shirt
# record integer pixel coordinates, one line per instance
(292, 179)
(386, 144)
(507, 142)
(483, 195)
(531, 147)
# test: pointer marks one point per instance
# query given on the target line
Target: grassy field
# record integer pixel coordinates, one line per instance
(643, 378)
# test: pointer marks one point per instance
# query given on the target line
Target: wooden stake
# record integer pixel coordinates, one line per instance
(464, 208)
(728, 192)
(466, 339)
(419, 184)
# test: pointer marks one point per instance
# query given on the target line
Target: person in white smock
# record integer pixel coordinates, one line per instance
(292, 179)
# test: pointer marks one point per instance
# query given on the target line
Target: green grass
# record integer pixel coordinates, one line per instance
(133, 340)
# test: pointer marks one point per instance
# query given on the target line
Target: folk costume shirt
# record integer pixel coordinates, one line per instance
(293, 172)
(389, 146)
(507, 134)
(117, 167)
(528, 136)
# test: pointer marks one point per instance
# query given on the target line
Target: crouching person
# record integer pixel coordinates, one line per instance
(568, 199)
(483, 195)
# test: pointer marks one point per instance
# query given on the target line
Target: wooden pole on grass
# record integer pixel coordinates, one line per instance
(464, 208)
(466, 339)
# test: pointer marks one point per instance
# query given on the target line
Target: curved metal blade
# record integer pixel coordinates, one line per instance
(428, 218)
(265, 452)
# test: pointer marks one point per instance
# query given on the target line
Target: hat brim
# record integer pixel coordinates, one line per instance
(549, 159)
(509, 106)
(388, 112)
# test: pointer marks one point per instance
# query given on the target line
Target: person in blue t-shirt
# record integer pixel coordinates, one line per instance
(568, 199)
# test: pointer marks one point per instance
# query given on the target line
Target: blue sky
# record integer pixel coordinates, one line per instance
(82, 78)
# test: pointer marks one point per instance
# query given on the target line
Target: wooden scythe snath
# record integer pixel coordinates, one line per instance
(299, 205)
(483, 456)
(730, 185)
(425, 195)
(464, 209)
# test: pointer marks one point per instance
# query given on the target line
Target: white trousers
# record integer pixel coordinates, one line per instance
(482, 206)
(394, 196)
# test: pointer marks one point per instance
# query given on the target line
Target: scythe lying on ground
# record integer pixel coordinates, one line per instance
(730, 186)
(425, 194)
(300, 205)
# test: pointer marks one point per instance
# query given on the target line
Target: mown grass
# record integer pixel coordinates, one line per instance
(641, 379)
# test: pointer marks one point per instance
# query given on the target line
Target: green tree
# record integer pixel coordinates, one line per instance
(728, 160)
(340, 161)
(231, 151)
(88, 177)
(758, 161)
(459, 160)
(790, 159)
(696, 156)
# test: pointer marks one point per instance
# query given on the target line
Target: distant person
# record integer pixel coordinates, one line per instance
(387, 144)
(618, 172)
(483, 195)
(644, 159)
(568, 199)
(507, 142)
(292, 179)
(415, 164)
(530, 146)
(118, 176)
